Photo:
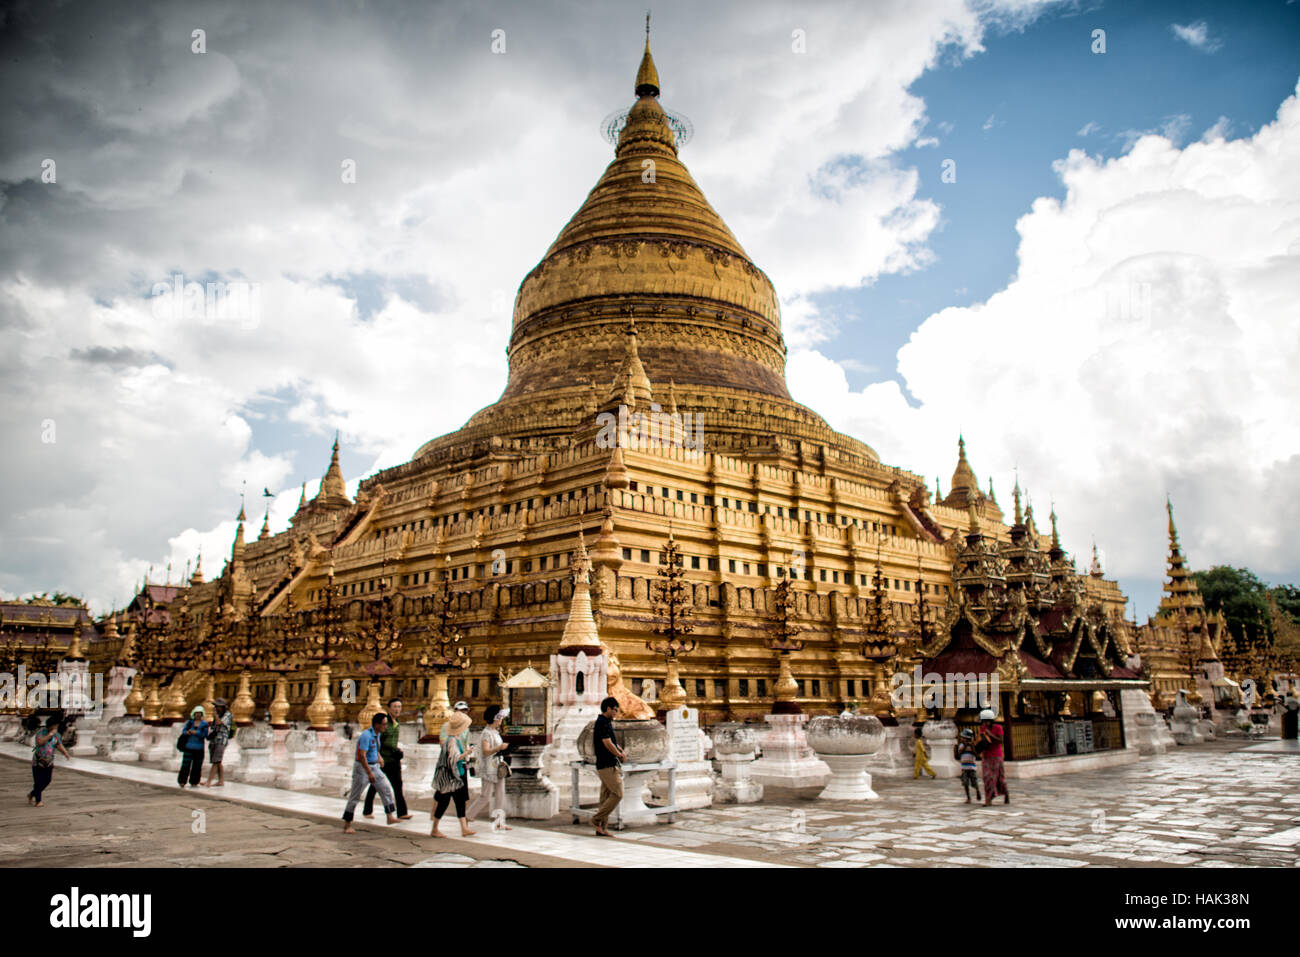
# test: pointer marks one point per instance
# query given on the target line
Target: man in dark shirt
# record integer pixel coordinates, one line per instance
(391, 752)
(609, 757)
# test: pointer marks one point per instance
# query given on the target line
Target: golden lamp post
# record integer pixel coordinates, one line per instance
(378, 638)
(442, 653)
(241, 650)
(283, 653)
(179, 653)
(323, 644)
(671, 604)
(877, 631)
(782, 639)
(149, 656)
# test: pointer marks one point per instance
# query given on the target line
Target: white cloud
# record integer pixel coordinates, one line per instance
(385, 303)
(1088, 128)
(1197, 36)
(1147, 344)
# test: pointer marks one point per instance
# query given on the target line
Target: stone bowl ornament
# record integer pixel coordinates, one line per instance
(645, 741)
(845, 744)
(253, 736)
(734, 738)
(300, 742)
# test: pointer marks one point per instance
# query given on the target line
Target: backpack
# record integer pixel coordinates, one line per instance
(180, 742)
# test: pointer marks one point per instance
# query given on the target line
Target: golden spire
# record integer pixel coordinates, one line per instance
(963, 488)
(632, 385)
(197, 577)
(1015, 494)
(266, 525)
(647, 77)
(1095, 568)
(237, 549)
(938, 490)
(974, 519)
(333, 490)
(1173, 531)
(580, 627)
(1056, 538)
(302, 497)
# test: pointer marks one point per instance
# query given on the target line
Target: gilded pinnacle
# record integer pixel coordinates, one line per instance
(647, 77)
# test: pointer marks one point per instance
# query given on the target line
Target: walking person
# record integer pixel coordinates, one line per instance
(449, 780)
(921, 752)
(46, 741)
(392, 755)
(964, 752)
(368, 767)
(493, 768)
(223, 729)
(989, 748)
(193, 735)
(609, 762)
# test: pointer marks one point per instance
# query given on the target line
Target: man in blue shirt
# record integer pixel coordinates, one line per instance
(367, 770)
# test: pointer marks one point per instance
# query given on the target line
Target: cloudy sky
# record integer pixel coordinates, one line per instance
(1102, 292)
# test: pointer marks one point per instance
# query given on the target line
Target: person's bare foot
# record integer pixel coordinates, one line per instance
(467, 832)
(403, 817)
(601, 832)
(368, 815)
(349, 829)
(392, 819)
(435, 832)
(31, 801)
(39, 804)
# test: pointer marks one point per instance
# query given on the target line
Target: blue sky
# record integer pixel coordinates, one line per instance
(1007, 114)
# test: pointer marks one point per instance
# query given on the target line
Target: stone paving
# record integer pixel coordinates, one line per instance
(1213, 805)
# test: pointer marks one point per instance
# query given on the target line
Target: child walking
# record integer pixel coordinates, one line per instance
(922, 760)
(964, 752)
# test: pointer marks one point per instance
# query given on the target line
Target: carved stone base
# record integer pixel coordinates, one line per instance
(530, 794)
(788, 761)
(158, 744)
(734, 784)
(849, 778)
(11, 726)
(418, 767)
(299, 771)
(895, 758)
(123, 736)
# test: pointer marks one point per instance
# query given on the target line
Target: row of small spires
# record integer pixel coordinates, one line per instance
(632, 374)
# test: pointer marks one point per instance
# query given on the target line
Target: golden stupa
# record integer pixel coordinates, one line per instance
(645, 304)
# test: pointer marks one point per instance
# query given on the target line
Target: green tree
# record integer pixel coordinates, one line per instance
(1287, 598)
(1243, 599)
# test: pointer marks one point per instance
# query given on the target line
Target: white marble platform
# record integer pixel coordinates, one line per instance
(596, 851)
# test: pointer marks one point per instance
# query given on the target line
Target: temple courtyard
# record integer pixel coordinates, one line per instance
(1227, 803)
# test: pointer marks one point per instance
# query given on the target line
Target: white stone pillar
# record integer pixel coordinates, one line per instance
(733, 746)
